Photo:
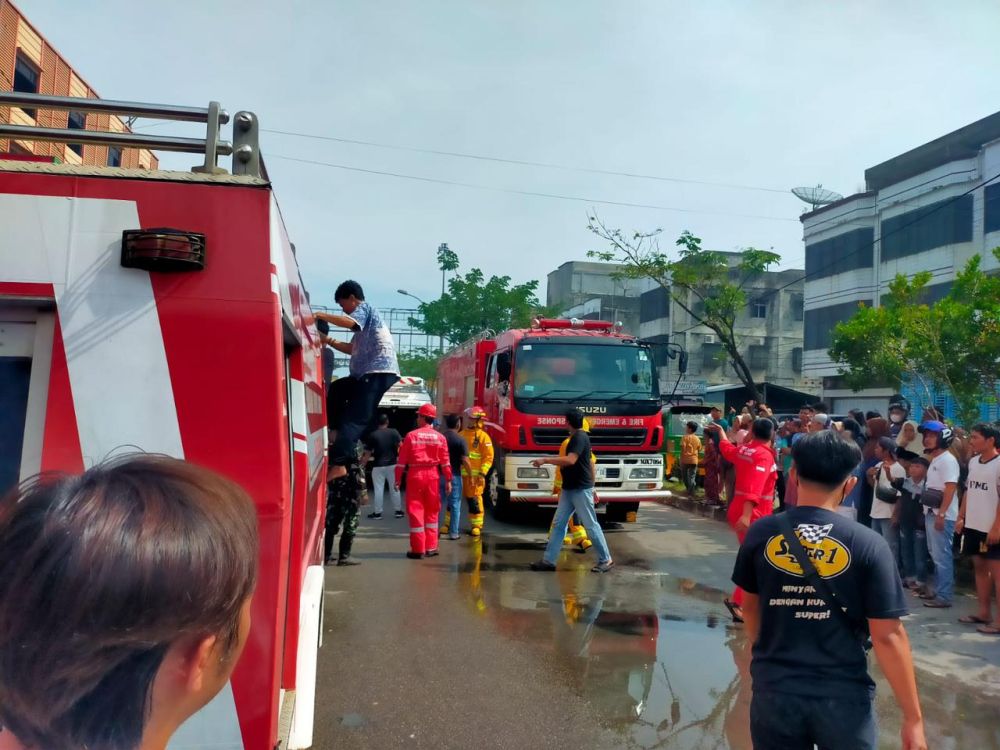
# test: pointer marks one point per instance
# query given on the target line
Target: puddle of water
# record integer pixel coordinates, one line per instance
(652, 657)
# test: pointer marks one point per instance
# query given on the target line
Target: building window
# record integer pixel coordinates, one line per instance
(798, 306)
(77, 121)
(758, 308)
(711, 356)
(654, 304)
(946, 222)
(26, 77)
(759, 356)
(845, 252)
(797, 359)
(114, 156)
(819, 323)
(991, 208)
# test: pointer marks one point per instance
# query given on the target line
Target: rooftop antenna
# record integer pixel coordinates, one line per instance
(816, 196)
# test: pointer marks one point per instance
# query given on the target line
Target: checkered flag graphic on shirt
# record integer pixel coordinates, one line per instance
(813, 533)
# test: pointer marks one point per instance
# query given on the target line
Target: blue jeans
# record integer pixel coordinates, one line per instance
(913, 551)
(885, 528)
(789, 721)
(580, 502)
(939, 543)
(452, 503)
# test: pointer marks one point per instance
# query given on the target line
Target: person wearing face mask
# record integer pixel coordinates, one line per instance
(899, 412)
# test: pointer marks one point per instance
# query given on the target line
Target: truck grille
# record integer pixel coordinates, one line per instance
(599, 436)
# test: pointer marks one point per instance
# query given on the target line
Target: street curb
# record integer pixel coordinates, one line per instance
(691, 505)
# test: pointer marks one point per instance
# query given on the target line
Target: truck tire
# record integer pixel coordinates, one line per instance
(619, 512)
(498, 497)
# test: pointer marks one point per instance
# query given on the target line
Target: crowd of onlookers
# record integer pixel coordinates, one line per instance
(929, 489)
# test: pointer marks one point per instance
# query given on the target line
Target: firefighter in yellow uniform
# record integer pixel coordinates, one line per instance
(480, 462)
(575, 532)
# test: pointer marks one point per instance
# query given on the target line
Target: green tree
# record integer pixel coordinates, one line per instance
(474, 303)
(420, 363)
(702, 282)
(953, 343)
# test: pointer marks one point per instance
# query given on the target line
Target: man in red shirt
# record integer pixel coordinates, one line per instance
(756, 475)
(425, 452)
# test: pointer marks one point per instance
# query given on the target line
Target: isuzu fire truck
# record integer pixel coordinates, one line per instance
(526, 379)
(164, 312)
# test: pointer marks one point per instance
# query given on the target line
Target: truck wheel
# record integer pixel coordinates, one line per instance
(622, 512)
(499, 497)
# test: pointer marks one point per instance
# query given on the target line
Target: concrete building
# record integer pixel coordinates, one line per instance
(588, 291)
(28, 63)
(919, 212)
(770, 330)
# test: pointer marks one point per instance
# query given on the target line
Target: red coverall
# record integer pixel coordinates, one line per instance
(425, 452)
(756, 476)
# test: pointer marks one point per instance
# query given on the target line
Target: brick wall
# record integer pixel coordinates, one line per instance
(59, 79)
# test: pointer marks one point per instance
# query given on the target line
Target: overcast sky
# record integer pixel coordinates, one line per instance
(766, 94)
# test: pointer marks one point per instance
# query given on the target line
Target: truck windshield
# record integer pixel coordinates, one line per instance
(573, 372)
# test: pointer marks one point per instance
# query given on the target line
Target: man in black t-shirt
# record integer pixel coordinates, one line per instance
(811, 684)
(577, 496)
(458, 456)
(383, 446)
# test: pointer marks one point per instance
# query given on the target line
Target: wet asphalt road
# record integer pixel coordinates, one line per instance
(472, 649)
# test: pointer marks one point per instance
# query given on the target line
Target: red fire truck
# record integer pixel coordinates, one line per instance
(526, 378)
(164, 312)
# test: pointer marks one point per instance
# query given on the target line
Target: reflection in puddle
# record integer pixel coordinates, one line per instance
(651, 656)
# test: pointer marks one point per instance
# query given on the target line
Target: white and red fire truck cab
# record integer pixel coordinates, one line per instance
(526, 378)
(164, 312)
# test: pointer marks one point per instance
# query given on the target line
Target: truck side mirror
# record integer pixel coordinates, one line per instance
(682, 361)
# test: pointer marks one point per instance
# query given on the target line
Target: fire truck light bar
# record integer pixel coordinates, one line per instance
(163, 250)
(589, 325)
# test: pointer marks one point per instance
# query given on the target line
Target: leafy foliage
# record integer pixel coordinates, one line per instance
(954, 343)
(717, 288)
(420, 363)
(447, 258)
(473, 303)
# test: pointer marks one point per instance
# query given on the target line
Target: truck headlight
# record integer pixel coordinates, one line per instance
(646, 472)
(530, 472)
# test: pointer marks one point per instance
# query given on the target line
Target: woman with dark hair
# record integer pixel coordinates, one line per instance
(124, 602)
(852, 427)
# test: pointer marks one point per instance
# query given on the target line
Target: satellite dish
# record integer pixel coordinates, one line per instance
(816, 196)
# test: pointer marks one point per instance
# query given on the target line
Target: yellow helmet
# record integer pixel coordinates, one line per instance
(475, 412)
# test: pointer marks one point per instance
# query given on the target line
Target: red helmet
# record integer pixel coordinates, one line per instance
(476, 412)
(428, 410)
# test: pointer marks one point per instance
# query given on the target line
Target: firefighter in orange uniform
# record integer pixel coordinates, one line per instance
(480, 462)
(575, 533)
(424, 453)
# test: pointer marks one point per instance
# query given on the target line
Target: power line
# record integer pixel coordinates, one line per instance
(523, 162)
(531, 193)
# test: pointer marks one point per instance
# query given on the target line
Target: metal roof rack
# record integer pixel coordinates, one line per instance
(244, 148)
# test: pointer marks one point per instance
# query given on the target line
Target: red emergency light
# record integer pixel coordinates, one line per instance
(163, 249)
(587, 325)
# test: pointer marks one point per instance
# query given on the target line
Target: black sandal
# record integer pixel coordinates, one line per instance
(734, 610)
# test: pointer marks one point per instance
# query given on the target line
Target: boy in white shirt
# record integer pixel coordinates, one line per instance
(979, 523)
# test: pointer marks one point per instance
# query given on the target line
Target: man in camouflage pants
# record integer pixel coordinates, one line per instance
(344, 498)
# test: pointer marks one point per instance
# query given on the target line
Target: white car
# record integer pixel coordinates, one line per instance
(408, 393)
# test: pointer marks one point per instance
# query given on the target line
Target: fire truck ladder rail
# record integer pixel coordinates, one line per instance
(244, 148)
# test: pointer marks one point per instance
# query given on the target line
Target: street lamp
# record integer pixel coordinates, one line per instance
(440, 338)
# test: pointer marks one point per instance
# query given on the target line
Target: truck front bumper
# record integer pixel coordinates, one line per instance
(603, 496)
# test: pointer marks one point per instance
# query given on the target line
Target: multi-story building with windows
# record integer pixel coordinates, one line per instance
(769, 330)
(921, 211)
(590, 291)
(29, 64)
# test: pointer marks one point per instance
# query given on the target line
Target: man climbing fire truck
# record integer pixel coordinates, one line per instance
(526, 378)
